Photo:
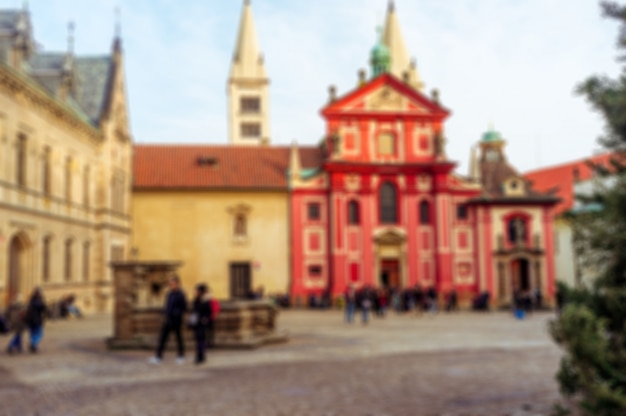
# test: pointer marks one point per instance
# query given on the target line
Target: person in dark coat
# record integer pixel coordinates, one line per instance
(202, 313)
(431, 295)
(34, 318)
(452, 304)
(418, 299)
(175, 308)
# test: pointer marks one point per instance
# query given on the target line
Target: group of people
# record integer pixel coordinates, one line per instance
(524, 301)
(201, 320)
(379, 300)
(20, 317)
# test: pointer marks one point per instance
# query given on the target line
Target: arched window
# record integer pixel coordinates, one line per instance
(516, 230)
(68, 259)
(424, 213)
(388, 204)
(354, 216)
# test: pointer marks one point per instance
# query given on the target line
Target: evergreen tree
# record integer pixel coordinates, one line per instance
(592, 326)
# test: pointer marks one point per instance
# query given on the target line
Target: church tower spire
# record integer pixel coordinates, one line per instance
(248, 87)
(401, 64)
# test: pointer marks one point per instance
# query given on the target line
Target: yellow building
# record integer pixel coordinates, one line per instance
(221, 210)
(65, 168)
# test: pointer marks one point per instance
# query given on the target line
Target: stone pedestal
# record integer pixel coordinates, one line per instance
(140, 290)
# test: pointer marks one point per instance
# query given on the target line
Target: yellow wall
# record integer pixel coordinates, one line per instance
(197, 229)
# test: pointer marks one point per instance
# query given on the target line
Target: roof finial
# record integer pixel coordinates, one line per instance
(392, 6)
(118, 22)
(70, 37)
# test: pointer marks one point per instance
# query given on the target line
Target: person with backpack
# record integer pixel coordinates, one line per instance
(34, 318)
(200, 319)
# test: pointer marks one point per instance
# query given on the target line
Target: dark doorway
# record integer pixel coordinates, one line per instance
(390, 274)
(521, 275)
(240, 280)
(16, 252)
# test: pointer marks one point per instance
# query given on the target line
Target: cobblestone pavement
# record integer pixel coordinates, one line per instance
(464, 364)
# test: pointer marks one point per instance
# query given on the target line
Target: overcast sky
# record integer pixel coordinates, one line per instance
(511, 62)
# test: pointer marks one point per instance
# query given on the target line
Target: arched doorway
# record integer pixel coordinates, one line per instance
(520, 274)
(17, 261)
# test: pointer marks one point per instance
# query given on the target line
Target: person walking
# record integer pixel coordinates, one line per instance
(431, 294)
(16, 322)
(175, 308)
(34, 319)
(350, 298)
(418, 296)
(452, 304)
(201, 319)
(365, 303)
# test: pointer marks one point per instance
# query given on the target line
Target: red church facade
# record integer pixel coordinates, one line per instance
(385, 209)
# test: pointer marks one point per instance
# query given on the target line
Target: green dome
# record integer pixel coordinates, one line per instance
(492, 136)
(381, 57)
(380, 52)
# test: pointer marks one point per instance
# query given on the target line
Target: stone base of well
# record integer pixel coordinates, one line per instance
(240, 324)
(140, 290)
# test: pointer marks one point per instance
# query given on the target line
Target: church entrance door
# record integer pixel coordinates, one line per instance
(390, 273)
(520, 271)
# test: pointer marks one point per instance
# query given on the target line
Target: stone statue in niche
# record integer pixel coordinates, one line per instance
(517, 231)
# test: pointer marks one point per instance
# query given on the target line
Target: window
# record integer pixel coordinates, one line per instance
(68, 260)
(68, 179)
(241, 226)
(47, 163)
(353, 213)
(516, 230)
(313, 211)
(251, 130)
(461, 212)
(386, 145)
(354, 272)
(22, 153)
(45, 259)
(86, 248)
(250, 105)
(86, 175)
(315, 271)
(424, 213)
(388, 204)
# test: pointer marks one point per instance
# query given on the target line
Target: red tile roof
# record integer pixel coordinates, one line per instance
(562, 178)
(158, 167)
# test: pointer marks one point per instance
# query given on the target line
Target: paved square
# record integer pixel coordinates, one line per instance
(458, 364)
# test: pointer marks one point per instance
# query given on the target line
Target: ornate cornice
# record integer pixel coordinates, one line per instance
(23, 90)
